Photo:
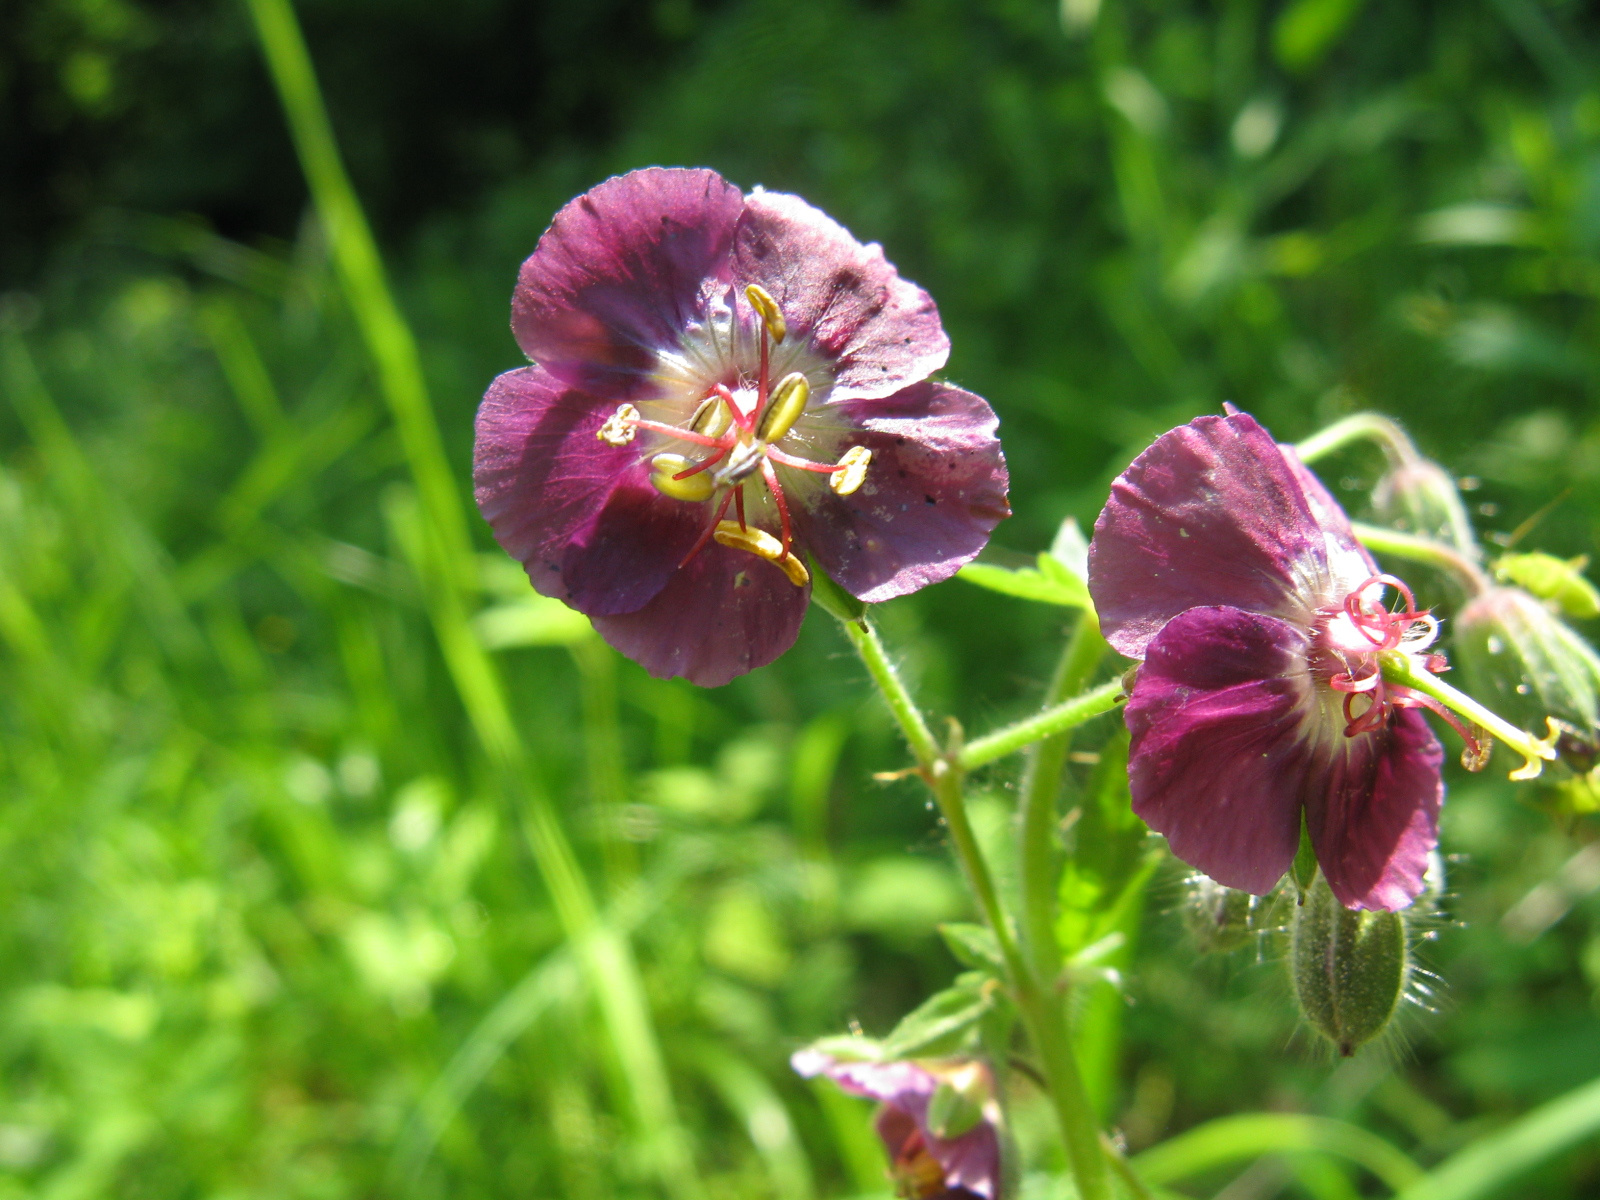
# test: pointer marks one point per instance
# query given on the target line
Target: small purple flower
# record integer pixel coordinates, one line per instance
(721, 382)
(922, 1165)
(1222, 563)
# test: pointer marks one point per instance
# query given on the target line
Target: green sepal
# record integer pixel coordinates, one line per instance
(940, 1024)
(1304, 868)
(833, 598)
(951, 1112)
(974, 946)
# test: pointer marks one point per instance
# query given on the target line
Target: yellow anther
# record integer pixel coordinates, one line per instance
(712, 418)
(620, 426)
(851, 471)
(761, 300)
(691, 487)
(784, 406)
(763, 545)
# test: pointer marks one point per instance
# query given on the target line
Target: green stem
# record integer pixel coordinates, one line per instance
(948, 791)
(1426, 551)
(1358, 427)
(1402, 669)
(1041, 1009)
(1058, 718)
(904, 710)
(1041, 783)
(1044, 1017)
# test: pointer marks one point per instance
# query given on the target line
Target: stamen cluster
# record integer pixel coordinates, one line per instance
(1370, 700)
(740, 432)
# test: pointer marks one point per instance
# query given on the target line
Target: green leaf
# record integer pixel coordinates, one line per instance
(940, 1024)
(974, 946)
(1108, 865)
(1048, 583)
(1071, 549)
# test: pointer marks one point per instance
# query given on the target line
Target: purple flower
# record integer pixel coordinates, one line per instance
(1222, 563)
(965, 1165)
(721, 382)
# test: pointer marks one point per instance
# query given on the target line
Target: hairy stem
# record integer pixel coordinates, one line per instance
(1399, 668)
(1041, 783)
(904, 710)
(1426, 551)
(1040, 1006)
(1364, 426)
(1058, 718)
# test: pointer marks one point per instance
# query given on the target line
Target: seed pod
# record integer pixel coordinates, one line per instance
(1527, 664)
(1349, 968)
(1419, 496)
(1219, 919)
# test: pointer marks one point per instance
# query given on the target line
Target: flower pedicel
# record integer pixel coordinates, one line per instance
(723, 385)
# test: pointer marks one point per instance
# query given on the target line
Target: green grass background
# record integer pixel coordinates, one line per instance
(336, 867)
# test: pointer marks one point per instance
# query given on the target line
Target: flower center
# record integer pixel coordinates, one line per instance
(1349, 642)
(731, 439)
(917, 1175)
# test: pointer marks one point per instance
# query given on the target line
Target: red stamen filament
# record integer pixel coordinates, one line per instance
(771, 477)
(801, 464)
(704, 466)
(705, 535)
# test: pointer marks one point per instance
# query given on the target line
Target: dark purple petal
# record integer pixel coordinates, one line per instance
(1373, 812)
(724, 613)
(1212, 513)
(625, 556)
(880, 331)
(579, 514)
(1351, 558)
(622, 271)
(1219, 758)
(935, 489)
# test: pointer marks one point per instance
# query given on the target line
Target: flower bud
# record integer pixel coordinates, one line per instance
(1527, 664)
(1218, 918)
(1349, 967)
(1558, 580)
(1419, 496)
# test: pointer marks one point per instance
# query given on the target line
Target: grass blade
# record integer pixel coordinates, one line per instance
(1491, 1162)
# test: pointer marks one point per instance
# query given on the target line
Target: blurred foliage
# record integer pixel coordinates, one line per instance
(272, 930)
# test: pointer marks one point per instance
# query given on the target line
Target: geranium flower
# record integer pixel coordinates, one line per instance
(1222, 563)
(964, 1165)
(721, 384)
